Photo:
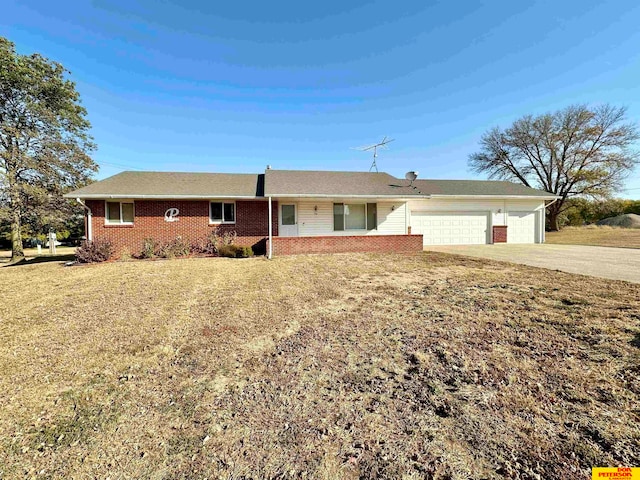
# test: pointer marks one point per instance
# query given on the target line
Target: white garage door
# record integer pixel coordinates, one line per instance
(450, 228)
(521, 227)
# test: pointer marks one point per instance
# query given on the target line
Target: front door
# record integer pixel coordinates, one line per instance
(288, 224)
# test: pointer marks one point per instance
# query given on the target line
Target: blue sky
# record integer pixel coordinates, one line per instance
(234, 86)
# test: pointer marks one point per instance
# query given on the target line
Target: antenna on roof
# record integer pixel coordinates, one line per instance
(375, 147)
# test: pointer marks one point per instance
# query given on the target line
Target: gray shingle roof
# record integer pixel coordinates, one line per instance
(174, 184)
(290, 183)
(478, 187)
(308, 183)
(300, 182)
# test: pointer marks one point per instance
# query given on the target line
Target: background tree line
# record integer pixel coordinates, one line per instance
(582, 211)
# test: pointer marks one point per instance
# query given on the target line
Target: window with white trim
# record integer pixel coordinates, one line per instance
(119, 213)
(222, 212)
(354, 216)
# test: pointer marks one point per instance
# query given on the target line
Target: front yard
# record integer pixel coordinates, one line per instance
(326, 366)
(602, 236)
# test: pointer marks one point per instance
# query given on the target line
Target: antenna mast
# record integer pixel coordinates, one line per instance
(382, 144)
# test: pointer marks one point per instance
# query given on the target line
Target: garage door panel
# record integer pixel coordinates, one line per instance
(439, 228)
(521, 227)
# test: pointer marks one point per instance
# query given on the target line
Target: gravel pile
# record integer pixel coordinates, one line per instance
(628, 220)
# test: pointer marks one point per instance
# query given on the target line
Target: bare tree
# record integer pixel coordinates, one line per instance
(577, 151)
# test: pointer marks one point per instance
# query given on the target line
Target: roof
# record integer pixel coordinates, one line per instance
(291, 183)
(174, 185)
(478, 188)
(325, 183)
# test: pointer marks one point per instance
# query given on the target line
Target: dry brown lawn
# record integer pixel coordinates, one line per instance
(343, 366)
(603, 236)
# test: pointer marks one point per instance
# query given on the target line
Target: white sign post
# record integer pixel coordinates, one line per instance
(52, 243)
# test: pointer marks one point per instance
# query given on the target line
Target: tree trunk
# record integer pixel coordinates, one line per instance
(17, 254)
(553, 222)
(552, 216)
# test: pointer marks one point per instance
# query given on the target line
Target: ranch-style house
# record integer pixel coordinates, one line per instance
(294, 211)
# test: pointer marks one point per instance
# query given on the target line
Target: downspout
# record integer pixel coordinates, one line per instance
(270, 253)
(89, 216)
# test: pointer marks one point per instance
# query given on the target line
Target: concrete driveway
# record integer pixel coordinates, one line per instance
(605, 262)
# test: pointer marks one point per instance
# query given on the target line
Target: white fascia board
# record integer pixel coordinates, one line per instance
(97, 196)
(329, 196)
(523, 197)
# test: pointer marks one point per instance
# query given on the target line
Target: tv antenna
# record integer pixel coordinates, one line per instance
(375, 147)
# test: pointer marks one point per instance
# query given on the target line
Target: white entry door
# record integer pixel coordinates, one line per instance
(463, 228)
(288, 220)
(521, 227)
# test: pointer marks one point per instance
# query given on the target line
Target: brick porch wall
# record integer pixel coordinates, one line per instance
(345, 244)
(252, 223)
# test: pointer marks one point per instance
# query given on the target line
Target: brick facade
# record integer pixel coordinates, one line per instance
(346, 244)
(252, 227)
(252, 223)
(499, 234)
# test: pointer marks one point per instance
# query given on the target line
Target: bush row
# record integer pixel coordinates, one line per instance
(220, 244)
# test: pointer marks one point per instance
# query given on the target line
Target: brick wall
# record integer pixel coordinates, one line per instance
(252, 223)
(499, 234)
(344, 244)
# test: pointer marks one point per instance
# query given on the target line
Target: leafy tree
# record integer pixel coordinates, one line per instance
(632, 206)
(577, 151)
(44, 139)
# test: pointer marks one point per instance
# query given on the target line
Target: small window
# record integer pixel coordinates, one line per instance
(229, 210)
(354, 216)
(119, 213)
(216, 212)
(113, 212)
(127, 212)
(222, 212)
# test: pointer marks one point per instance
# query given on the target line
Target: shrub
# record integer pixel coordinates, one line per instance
(235, 251)
(175, 248)
(218, 239)
(149, 246)
(200, 247)
(94, 251)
